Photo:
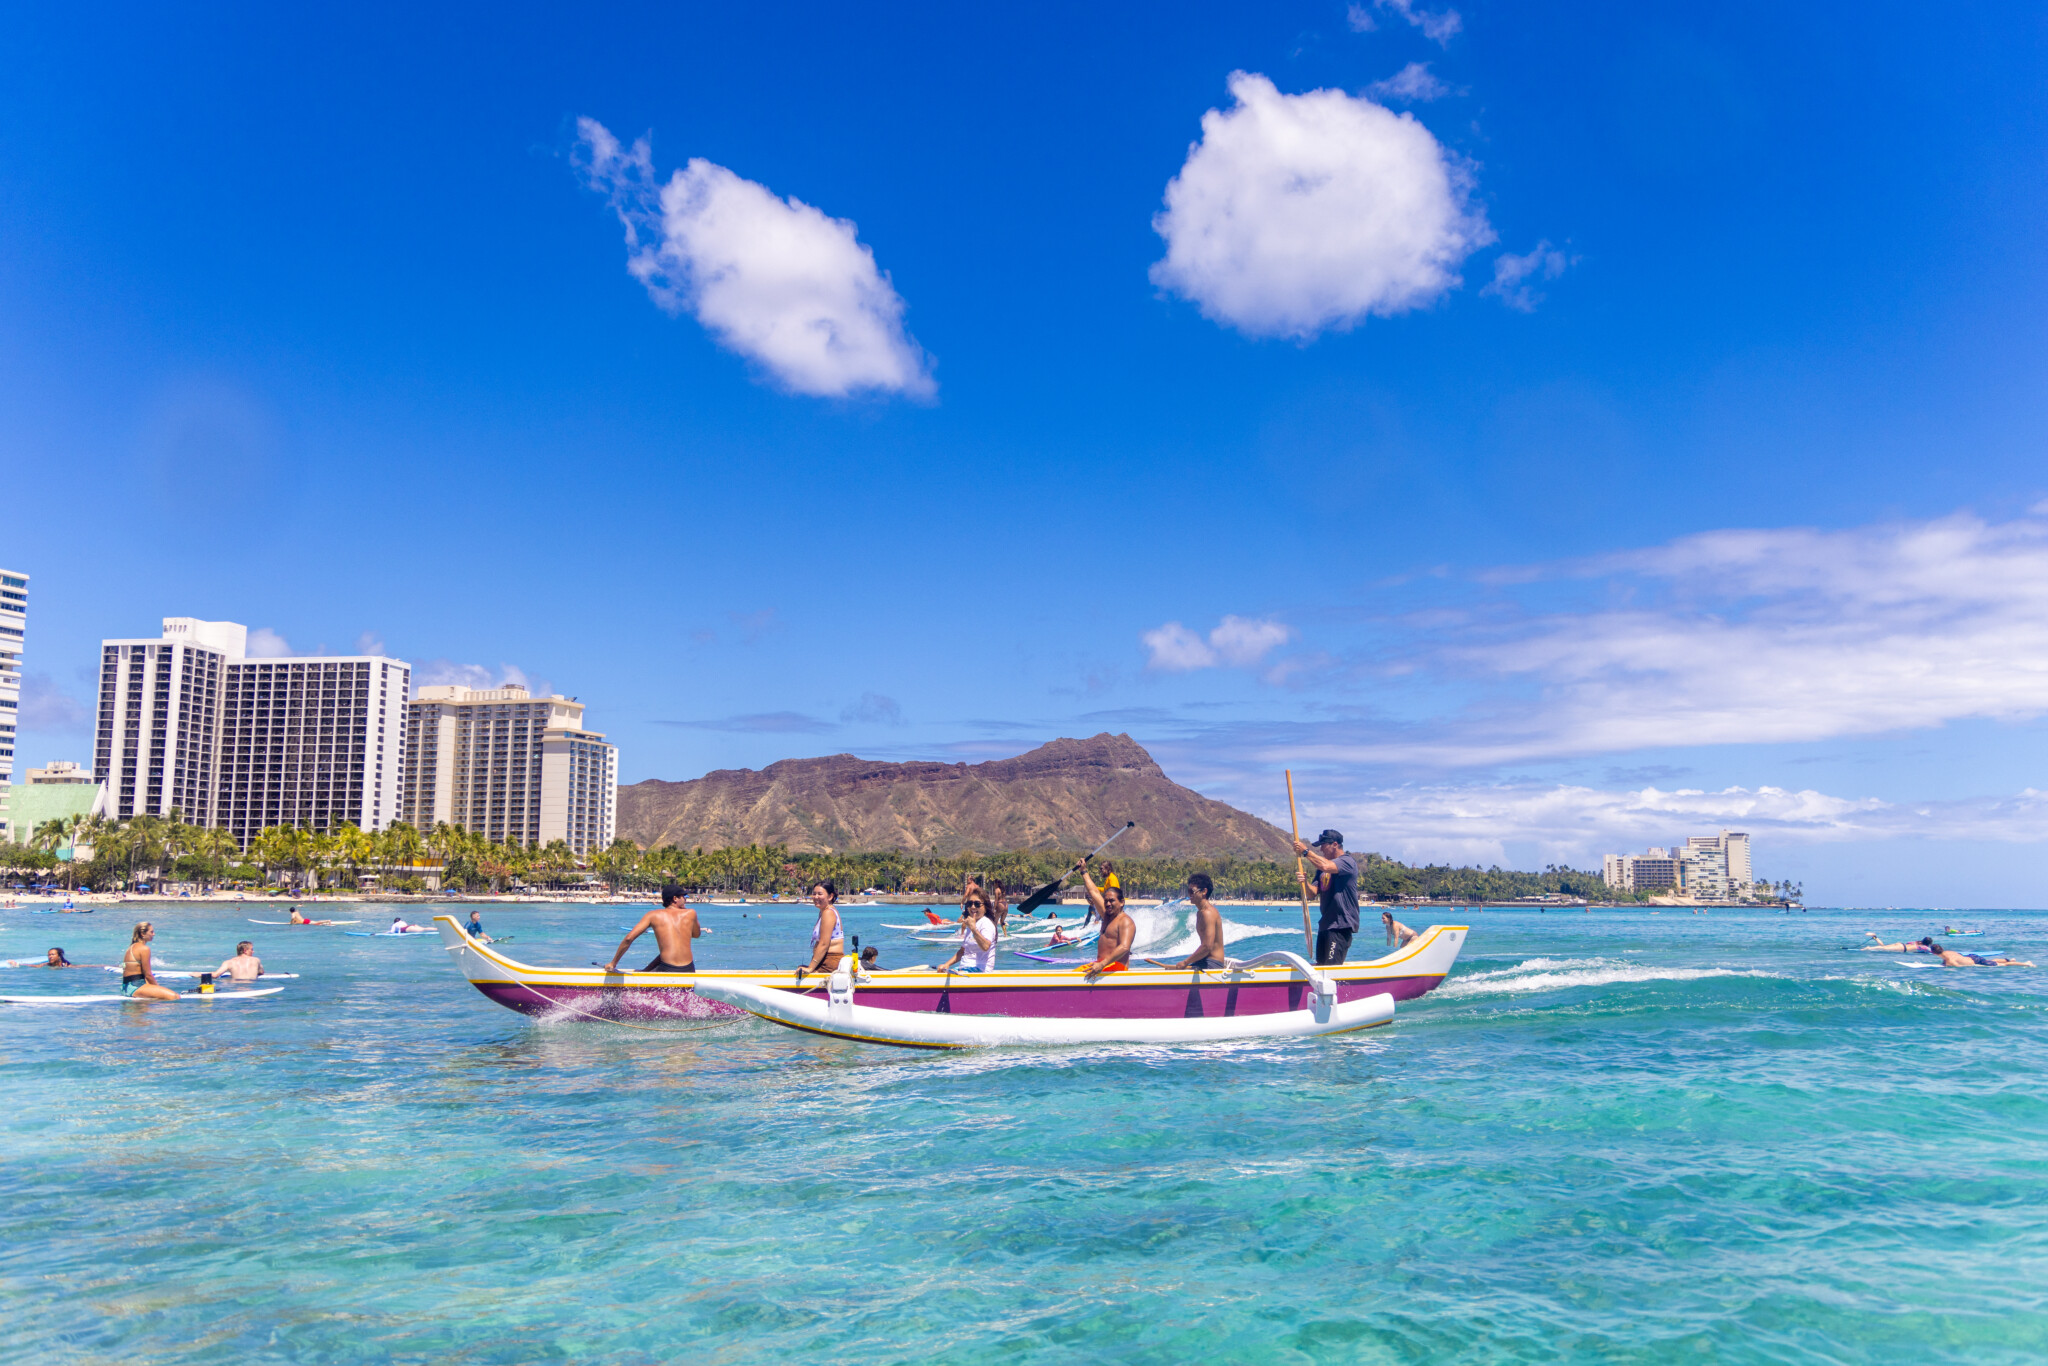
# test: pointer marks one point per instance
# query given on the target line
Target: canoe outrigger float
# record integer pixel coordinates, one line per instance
(1273, 995)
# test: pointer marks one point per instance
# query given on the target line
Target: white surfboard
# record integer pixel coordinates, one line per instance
(183, 996)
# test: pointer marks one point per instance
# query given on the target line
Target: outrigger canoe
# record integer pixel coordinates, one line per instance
(1255, 988)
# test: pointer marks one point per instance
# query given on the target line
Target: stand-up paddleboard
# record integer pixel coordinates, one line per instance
(310, 924)
(389, 934)
(87, 911)
(140, 1000)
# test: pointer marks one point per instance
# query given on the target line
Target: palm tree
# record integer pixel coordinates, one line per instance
(214, 844)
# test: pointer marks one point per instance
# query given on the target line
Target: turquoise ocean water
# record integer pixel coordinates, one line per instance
(1613, 1137)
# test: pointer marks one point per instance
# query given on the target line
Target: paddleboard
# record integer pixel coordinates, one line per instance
(194, 975)
(389, 934)
(183, 996)
(311, 924)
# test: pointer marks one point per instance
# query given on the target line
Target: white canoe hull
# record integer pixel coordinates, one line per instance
(908, 1029)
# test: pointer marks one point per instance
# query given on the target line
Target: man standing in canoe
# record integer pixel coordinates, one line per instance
(1113, 949)
(1337, 883)
(674, 925)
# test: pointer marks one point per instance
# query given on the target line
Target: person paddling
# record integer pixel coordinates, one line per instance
(1113, 949)
(674, 925)
(1208, 954)
(1951, 959)
(1337, 883)
(138, 977)
(1926, 945)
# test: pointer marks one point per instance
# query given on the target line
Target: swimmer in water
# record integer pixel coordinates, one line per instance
(245, 966)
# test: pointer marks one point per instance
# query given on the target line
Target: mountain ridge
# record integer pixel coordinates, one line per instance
(1066, 794)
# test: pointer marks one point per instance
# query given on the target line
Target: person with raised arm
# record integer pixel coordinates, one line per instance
(674, 925)
(1119, 931)
(1336, 882)
(977, 951)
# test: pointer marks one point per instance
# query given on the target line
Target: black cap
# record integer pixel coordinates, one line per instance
(1331, 837)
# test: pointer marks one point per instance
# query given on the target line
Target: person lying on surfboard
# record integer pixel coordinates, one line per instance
(1926, 945)
(1113, 949)
(298, 919)
(674, 925)
(245, 966)
(1951, 959)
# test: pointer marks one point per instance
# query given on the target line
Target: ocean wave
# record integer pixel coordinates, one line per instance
(1544, 974)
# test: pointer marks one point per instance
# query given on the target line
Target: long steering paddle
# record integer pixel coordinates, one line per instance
(1030, 904)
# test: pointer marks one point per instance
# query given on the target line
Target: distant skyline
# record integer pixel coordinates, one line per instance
(1549, 434)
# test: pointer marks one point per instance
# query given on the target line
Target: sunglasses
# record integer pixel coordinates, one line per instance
(975, 905)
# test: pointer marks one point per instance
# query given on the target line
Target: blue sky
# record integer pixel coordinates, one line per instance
(1546, 432)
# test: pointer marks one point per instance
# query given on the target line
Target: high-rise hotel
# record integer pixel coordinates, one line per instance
(13, 631)
(187, 722)
(501, 763)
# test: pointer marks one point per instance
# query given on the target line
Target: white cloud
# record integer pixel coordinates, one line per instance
(429, 673)
(370, 643)
(1360, 18)
(1439, 26)
(1746, 637)
(265, 643)
(1412, 83)
(1576, 825)
(1512, 273)
(1299, 213)
(773, 279)
(1239, 642)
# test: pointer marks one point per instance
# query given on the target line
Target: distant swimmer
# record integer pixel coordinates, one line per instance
(138, 978)
(245, 966)
(1119, 931)
(1951, 959)
(674, 925)
(1926, 945)
(1208, 954)
(475, 927)
(1397, 934)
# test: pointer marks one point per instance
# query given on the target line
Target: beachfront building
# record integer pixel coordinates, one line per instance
(159, 718)
(58, 773)
(32, 805)
(314, 742)
(188, 723)
(13, 632)
(1705, 867)
(510, 766)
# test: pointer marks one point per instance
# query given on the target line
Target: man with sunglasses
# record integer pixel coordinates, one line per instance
(1337, 883)
(1119, 931)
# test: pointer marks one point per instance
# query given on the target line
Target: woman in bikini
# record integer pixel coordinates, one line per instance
(828, 940)
(138, 979)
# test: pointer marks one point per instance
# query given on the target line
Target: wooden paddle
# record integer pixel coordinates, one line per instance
(1030, 904)
(1308, 936)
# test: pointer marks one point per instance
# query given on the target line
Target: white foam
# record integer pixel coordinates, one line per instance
(1517, 981)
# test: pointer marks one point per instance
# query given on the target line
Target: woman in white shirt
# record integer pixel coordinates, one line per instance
(977, 951)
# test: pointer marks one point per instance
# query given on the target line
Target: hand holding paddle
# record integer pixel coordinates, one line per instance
(1030, 904)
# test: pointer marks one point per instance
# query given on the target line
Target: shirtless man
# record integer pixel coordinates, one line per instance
(298, 919)
(1208, 954)
(1397, 934)
(1926, 945)
(1951, 959)
(674, 926)
(245, 966)
(1113, 949)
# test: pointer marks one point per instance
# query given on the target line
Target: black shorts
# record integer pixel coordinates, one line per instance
(1211, 964)
(1332, 945)
(660, 964)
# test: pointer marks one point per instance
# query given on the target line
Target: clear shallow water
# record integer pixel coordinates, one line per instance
(1612, 1137)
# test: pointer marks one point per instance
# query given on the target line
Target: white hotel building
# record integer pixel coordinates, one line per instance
(187, 723)
(13, 631)
(1706, 867)
(504, 764)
